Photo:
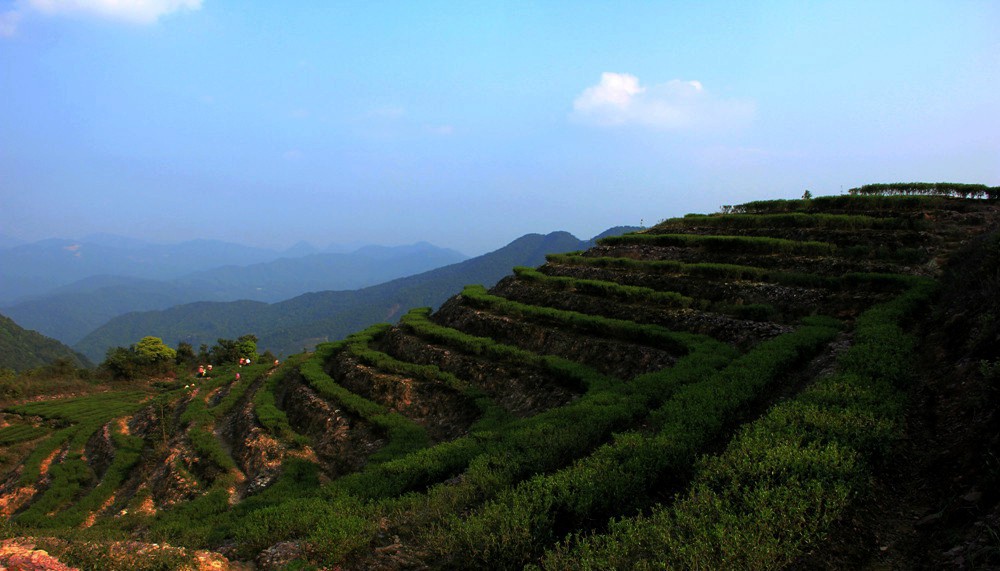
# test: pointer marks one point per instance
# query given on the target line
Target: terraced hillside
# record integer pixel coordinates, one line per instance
(719, 391)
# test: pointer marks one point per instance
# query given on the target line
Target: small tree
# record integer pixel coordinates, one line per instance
(224, 352)
(807, 195)
(247, 346)
(150, 356)
(228, 351)
(186, 358)
(121, 363)
(153, 352)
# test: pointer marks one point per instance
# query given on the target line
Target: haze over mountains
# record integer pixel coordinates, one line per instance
(129, 282)
(106, 291)
(39, 268)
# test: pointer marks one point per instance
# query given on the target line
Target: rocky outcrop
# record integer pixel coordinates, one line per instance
(21, 555)
(341, 441)
(441, 410)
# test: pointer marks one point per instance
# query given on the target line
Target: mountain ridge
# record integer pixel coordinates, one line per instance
(69, 312)
(341, 311)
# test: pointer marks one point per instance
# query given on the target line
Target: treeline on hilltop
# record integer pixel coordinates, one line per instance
(881, 197)
(149, 358)
(959, 190)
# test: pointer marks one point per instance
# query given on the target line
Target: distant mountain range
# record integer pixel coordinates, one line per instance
(288, 326)
(70, 311)
(36, 268)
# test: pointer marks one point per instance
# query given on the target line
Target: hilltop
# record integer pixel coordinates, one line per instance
(787, 384)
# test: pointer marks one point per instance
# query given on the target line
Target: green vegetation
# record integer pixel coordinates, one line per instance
(790, 220)
(22, 349)
(630, 294)
(732, 456)
(929, 189)
(622, 476)
(652, 335)
(403, 434)
(71, 476)
(269, 415)
(784, 479)
(741, 244)
(847, 281)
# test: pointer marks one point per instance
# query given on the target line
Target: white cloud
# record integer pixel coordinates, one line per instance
(676, 105)
(131, 11)
(137, 11)
(8, 23)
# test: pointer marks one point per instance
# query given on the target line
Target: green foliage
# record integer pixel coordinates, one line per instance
(629, 294)
(929, 189)
(646, 334)
(149, 357)
(269, 415)
(622, 476)
(20, 432)
(404, 435)
(589, 484)
(785, 478)
(742, 244)
(788, 220)
(229, 351)
(83, 416)
(186, 357)
(850, 281)
(357, 345)
(119, 556)
(22, 349)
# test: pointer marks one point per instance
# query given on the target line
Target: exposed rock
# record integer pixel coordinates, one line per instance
(519, 388)
(441, 410)
(609, 356)
(257, 453)
(21, 555)
(341, 440)
(280, 555)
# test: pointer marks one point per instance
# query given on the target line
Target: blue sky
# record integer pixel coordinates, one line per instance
(470, 124)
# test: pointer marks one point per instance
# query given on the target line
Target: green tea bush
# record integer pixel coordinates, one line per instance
(404, 435)
(741, 244)
(786, 477)
(647, 334)
(272, 418)
(622, 476)
(789, 220)
(21, 433)
(848, 282)
(630, 294)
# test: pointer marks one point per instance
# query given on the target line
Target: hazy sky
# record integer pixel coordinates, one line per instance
(468, 124)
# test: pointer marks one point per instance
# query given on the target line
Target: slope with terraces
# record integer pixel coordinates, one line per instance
(716, 391)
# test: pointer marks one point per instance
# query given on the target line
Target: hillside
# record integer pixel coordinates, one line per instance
(288, 326)
(22, 349)
(804, 384)
(70, 312)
